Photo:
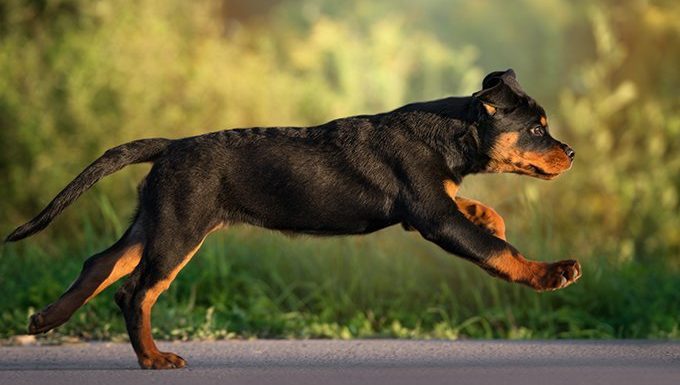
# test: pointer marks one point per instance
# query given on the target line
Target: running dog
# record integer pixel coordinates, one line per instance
(353, 175)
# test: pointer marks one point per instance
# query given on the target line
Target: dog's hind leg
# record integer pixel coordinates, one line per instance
(166, 252)
(98, 272)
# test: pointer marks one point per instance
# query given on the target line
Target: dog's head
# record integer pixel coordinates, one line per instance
(515, 131)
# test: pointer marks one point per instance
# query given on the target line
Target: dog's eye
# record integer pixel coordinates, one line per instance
(537, 131)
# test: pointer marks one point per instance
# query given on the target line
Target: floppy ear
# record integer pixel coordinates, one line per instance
(500, 89)
(506, 75)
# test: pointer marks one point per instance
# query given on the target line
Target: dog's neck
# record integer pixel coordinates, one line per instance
(453, 127)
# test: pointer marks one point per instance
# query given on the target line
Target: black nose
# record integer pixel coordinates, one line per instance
(570, 152)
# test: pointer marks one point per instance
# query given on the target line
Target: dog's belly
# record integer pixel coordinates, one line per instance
(358, 229)
(334, 228)
(327, 217)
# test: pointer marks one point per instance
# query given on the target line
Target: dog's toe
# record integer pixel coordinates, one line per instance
(162, 360)
(36, 323)
(39, 323)
(558, 275)
(177, 361)
(46, 320)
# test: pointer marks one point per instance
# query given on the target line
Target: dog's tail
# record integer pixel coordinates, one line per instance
(138, 151)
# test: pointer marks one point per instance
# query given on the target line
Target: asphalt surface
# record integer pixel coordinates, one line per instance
(373, 362)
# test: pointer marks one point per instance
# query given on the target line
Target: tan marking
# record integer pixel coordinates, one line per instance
(125, 264)
(147, 345)
(502, 153)
(544, 121)
(515, 268)
(506, 141)
(451, 188)
(107, 268)
(506, 157)
(554, 161)
(483, 216)
(491, 110)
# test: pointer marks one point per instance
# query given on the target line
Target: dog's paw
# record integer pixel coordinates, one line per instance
(44, 321)
(557, 275)
(162, 360)
(36, 324)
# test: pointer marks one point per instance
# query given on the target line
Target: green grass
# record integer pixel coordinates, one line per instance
(248, 282)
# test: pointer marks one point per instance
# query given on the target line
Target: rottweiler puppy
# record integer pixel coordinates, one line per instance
(353, 175)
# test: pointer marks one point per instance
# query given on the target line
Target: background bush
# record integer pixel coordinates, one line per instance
(81, 76)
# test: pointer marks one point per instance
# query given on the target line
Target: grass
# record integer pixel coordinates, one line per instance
(248, 282)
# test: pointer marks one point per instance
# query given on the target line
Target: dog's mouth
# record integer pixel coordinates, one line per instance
(545, 165)
(542, 165)
(541, 173)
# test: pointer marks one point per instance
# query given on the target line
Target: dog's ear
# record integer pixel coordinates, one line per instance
(500, 89)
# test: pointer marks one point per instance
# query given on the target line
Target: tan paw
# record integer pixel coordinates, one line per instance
(557, 275)
(162, 360)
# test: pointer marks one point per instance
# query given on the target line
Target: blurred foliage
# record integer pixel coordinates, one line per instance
(81, 76)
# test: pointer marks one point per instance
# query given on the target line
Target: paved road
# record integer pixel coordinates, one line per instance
(373, 362)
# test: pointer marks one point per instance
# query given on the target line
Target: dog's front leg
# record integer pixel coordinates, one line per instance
(442, 223)
(482, 216)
